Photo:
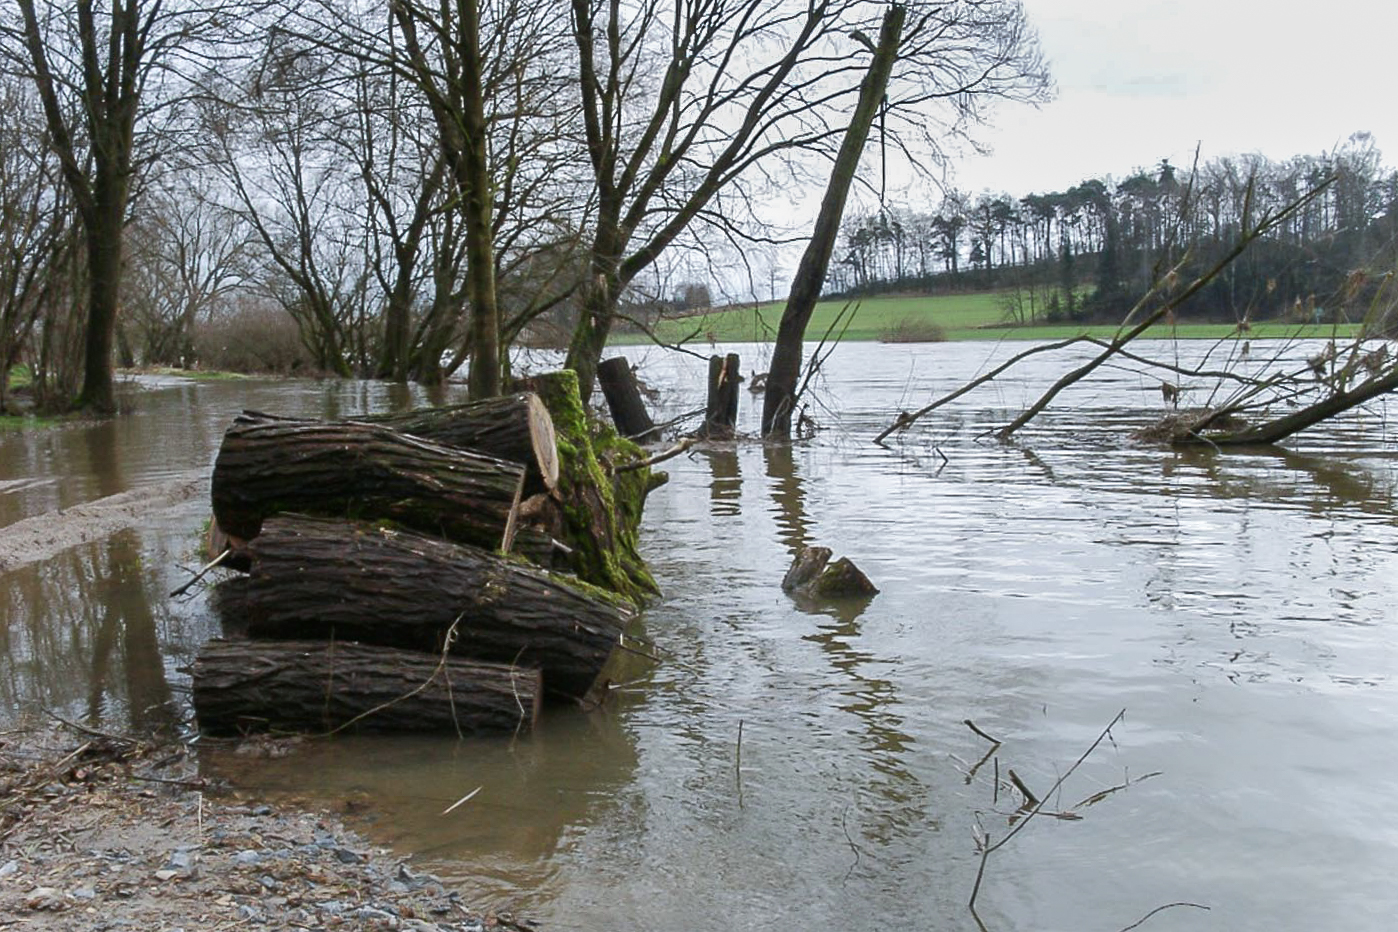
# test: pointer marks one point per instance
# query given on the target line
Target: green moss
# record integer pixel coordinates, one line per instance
(600, 519)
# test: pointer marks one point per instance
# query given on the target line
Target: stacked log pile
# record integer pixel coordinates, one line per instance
(438, 570)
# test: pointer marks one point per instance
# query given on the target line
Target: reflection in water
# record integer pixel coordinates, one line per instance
(793, 527)
(537, 792)
(726, 489)
(893, 802)
(1239, 606)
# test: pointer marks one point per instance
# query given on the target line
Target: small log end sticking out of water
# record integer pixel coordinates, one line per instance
(623, 394)
(812, 574)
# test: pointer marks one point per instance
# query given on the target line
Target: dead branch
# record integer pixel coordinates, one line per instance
(674, 451)
(907, 419)
(1245, 239)
(1160, 909)
(1029, 817)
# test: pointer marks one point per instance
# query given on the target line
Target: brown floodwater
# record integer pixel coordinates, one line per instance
(808, 766)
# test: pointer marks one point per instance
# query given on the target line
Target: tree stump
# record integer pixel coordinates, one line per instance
(812, 574)
(354, 470)
(318, 578)
(721, 412)
(599, 514)
(323, 686)
(623, 395)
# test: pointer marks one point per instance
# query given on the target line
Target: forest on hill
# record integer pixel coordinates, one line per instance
(1088, 252)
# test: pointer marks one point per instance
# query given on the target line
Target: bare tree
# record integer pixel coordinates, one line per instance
(685, 103)
(34, 225)
(185, 258)
(98, 69)
(780, 398)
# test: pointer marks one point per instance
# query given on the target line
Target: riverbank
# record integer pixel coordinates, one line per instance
(104, 832)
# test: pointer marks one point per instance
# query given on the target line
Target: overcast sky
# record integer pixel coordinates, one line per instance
(1140, 80)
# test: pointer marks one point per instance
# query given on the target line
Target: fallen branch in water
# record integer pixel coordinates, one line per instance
(1029, 817)
(1161, 909)
(674, 451)
(227, 552)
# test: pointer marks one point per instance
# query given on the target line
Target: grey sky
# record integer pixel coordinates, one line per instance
(1140, 80)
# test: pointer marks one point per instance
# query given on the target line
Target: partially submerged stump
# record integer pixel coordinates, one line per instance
(812, 574)
(623, 395)
(317, 578)
(515, 427)
(721, 409)
(354, 470)
(324, 686)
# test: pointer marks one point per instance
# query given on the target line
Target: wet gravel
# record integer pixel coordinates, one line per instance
(104, 834)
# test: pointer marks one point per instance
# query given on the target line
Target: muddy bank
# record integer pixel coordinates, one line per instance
(43, 536)
(109, 833)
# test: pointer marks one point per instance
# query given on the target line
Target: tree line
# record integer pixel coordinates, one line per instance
(403, 191)
(1089, 251)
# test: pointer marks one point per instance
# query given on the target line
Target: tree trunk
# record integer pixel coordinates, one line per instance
(618, 381)
(780, 399)
(316, 578)
(600, 514)
(722, 412)
(352, 470)
(322, 686)
(511, 427)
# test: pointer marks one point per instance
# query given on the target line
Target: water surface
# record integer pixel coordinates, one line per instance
(1237, 606)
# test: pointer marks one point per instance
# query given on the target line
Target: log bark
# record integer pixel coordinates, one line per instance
(623, 395)
(317, 578)
(721, 413)
(512, 427)
(352, 470)
(323, 686)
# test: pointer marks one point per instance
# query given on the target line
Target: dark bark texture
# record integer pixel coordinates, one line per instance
(511, 427)
(317, 578)
(623, 395)
(721, 411)
(352, 470)
(323, 686)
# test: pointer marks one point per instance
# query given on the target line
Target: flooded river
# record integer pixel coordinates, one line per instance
(800, 766)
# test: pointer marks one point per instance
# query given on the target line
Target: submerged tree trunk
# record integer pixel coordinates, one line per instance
(352, 470)
(317, 578)
(324, 686)
(782, 378)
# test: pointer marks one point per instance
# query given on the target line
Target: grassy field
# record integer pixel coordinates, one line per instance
(951, 317)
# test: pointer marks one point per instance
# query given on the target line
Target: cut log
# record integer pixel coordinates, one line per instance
(323, 686)
(317, 578)
(512, 427)
(721, 411)
(618, 381)
(353, 470)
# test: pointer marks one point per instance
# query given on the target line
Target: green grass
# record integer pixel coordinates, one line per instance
(16, 422)
(979, 316)
(198, 375)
